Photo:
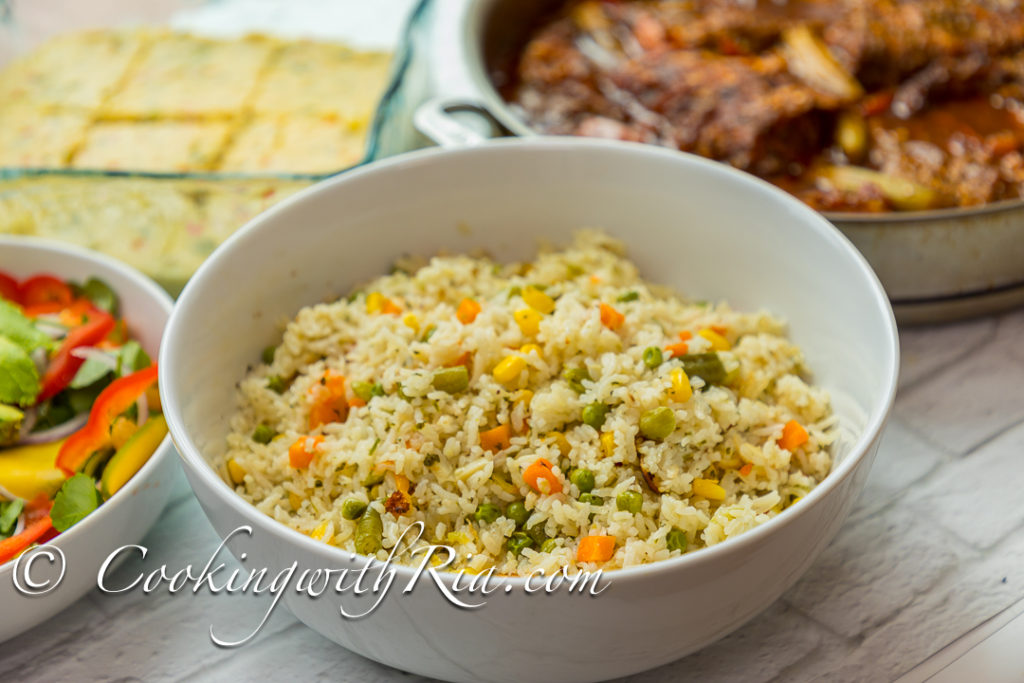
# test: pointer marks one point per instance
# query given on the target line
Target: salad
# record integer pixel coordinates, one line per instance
(79, 407)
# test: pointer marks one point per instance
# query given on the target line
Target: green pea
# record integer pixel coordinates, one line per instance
(548, 545)
(676, 540)
(268, 354)
(514, 290)
(263, 433)
(574, 270)
(591, 498)
(595, 414)
(486, 513)
(517, 512)
(431, 459)
(537, 533)
(653, 357)
(575, 377)
(628, 296)
(630, 501)
(452, 380)
(367, 390)
(658, 423)
(583, 479)
(707, 366)
(518, 542)
(353, 508)
(369, 532)
(276, 384)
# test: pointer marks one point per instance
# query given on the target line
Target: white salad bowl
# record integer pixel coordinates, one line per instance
(64, 569)
(709, 231)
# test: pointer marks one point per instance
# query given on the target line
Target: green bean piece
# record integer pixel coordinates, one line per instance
(517, 512)
(595, 414)
(369, 532)
(101, 295)
(486, 513)
(428, 333)
(353, 508)
(517, 542)
(514, 290)
(375, 477)
(707, 366)
(276, 384)
(653, 357)
(658, 423)
(431, 459)
(574, 270)
(627, 297)
(591, 499)
(630, 501)
(583, 479)
(676, 540)
(263, 433)
(452, 380)
(575, 377)
(367, 390)
(548, 545)
(268, 354)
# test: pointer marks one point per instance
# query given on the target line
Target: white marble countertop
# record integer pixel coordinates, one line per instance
(934, 549)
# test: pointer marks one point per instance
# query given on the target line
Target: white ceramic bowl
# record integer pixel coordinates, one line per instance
(710, 231)
(129, 514)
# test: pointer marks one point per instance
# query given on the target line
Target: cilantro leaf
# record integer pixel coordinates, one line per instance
(19, 378)
(91, 371)
(77, 497)
(133, 358)
(20, 329)
(101, 295)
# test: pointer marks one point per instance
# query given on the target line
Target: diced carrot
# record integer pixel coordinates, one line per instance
(329, 402)
(685, 335)
(595, 549)
(301, 453)
(595, 279)
(465, 359)
(678, 349)
(611, 318)
(876, 103)
(746, 469)
(467, 311)
(720, 329)
(356, 402)
(541, 469)
(496, 439)
(793, 436)
(390, 307)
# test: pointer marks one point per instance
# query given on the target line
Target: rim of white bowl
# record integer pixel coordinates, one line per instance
(160, 298)
(199, 466)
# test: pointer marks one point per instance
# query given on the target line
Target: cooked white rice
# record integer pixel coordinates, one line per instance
(726, 434)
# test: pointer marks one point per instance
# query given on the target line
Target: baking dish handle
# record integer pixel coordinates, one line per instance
(457, 123)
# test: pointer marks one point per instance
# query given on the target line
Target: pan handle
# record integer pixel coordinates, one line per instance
(457, 123)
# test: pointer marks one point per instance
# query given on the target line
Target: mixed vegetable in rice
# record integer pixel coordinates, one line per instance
(79, 410)
(559, 413)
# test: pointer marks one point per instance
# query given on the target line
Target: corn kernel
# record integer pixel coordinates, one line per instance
(562, 443)
(522, 396)
(374, 302)
(681, 390)
(507, 370)
(708, 489)
(236, 472)
(718, 342)
(411, 321)
(538, 300)
(527, 349)
(608, 444)
(295, 500)
(322, 533)
(528, 321)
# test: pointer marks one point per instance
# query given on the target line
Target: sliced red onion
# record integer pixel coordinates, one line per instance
(98, 355)
(28, 422)
(39, 358)
(50, 328)
(57, 433)
(20, 526)
(143, 404)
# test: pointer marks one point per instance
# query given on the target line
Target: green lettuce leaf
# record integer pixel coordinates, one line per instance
(20, 329)
(19, 378)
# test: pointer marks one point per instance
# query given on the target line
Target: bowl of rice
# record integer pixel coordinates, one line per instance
(580, 407)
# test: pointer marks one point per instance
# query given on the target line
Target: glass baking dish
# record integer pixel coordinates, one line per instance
(166, 223)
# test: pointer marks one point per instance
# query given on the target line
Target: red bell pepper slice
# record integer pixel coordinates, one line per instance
(112, 401)
(64, 366)
(37, 525)
(9, 288)
(41, 289)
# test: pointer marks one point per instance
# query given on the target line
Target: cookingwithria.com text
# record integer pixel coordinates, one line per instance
(364, 585)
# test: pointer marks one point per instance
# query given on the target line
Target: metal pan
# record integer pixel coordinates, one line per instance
(935, 265)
